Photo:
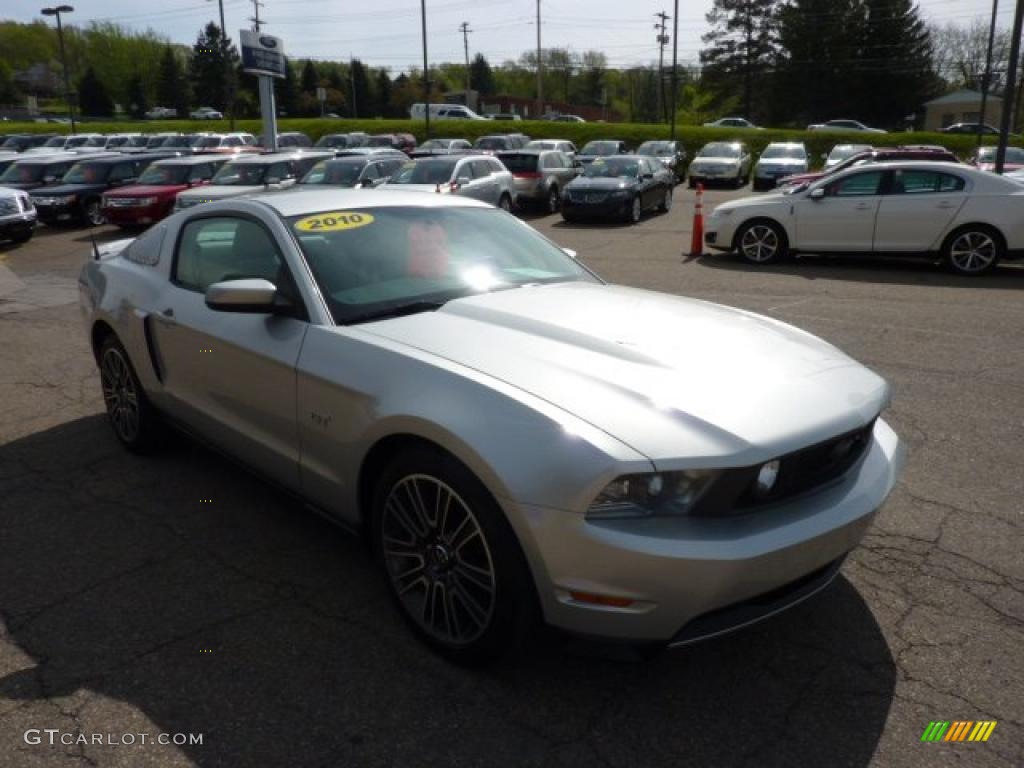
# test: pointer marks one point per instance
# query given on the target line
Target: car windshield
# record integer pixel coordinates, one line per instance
(379, 141)
(600, 148)
(541, 145)
(117, 141)
(343, 173)
(842, 152)
(137, 141)
(491, 142)
(164, 175)
(56, 141)
(332, 141)
(22, 173)
(612, 168)
(206, 141)
(178, 141)
(425, 172)
(87, 173)
(1014, 155)
(369, 262)
(241, 174)
(78, 141)
(435, 144)
(656, 148)
(789, 153)
(719, 149)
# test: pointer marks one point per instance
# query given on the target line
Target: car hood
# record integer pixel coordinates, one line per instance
(69, 189)
(149, 190)
(600, 185)
(684, 382)
(756, 201)
(782, 162)
(705, 160)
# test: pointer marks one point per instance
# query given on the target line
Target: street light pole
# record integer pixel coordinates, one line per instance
(1011, 75)
(675, 60)
(57, 11)
(986, 78)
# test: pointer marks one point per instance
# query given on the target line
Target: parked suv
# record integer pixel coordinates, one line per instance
(501, 143)
(74, 141)
(35, 171)
(288, 140)
(230, 143)
(670, 153)
(78, 196)
(779, 159)
(17, 216)
(482, 178)
(340, 140)
(253, 173)
(152, 198)
(540, 175)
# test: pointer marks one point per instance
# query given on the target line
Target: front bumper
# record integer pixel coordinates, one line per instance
(58, 213)
(607, 207)
(533, 190)
(134, 216)
(17, 225)
(707, 175)
(690, 578)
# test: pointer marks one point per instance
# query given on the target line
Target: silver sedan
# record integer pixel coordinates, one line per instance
(519, 441)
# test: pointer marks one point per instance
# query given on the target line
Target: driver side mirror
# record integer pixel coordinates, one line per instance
(253, 295)
(817, 194)
(462, 181)
(646, 175)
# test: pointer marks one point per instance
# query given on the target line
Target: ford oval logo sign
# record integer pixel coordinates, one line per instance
(268, 42)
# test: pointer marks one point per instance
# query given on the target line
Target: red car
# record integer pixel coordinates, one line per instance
(874, 156)
(985, 159)
(152, 198)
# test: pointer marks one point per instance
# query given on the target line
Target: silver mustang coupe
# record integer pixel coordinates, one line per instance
(520, 441)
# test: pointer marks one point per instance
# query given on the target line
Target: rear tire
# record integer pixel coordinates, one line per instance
(973, 250)
(505, 203)
(554, 200)
(453, 563)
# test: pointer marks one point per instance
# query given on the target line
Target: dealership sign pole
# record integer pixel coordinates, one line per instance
(263, 56)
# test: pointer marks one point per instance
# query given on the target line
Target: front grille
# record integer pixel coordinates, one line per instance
(123, 202)
(588, 197)
(803, 471)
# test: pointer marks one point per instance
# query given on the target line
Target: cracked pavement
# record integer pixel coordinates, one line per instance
(127, 606)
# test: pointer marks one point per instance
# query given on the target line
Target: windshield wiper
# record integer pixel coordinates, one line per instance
(399, 310)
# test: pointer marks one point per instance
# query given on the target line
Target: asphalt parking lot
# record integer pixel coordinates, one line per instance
(178, 594)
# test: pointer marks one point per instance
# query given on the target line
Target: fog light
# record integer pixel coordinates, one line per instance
(606, 600)
(767, 477)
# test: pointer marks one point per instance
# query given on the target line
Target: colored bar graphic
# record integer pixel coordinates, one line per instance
(958, 730)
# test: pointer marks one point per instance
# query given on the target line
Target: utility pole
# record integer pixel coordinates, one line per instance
(540, 71)
(1011, 77)
(63, 58)
(986, 78)
(675, 59)
(465, 30)
(662, 40)
(426, 71)
(255, 18)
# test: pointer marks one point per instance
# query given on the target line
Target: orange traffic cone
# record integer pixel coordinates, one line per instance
(697, 240)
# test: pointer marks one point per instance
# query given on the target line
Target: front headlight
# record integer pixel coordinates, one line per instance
(145, 201)
(651, 495)
(622, 193)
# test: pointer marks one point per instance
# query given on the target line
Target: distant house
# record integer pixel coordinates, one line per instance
(962, 106)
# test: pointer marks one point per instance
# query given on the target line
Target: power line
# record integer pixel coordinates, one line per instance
(464, 28)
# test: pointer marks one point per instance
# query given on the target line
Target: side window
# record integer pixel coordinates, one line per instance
(121, 172)
(481, 169)
(370, 173)
(225, 248)
(282, 170)
(949, 183)
(857, 185)
(200, 172)
(914, 182)
(232, 141)
(495, 164)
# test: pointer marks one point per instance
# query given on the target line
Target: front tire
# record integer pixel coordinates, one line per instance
(635, 211)
(135, 422)
(453, 563)
(666, 201)
(93, 213)
(761, 241)
(505, 203)
(973, 251)
(554, 201)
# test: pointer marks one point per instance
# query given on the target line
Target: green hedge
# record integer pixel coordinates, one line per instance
(693, 137)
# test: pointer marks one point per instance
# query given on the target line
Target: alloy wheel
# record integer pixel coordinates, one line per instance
(973, 252)
(93, 213)
(553, 200)
(120, 394)
(438, 559)
(505, 203)
(759, 243)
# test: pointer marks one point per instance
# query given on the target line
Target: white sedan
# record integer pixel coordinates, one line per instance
(970, 218)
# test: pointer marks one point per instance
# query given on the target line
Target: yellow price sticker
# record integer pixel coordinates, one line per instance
(335, 221)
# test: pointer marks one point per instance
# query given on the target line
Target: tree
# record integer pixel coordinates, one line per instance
(212, 67)
(741, 46)
(310, 79)
(383, 94)
(93, 99)
(895, 48)
(8, 90)
(285, 92)
(359, 82)
(959, 55)
(171, 87)
(481, 77)
(136, 101)
(591, 85)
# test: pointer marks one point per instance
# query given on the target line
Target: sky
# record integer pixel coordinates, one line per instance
(387, 32)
